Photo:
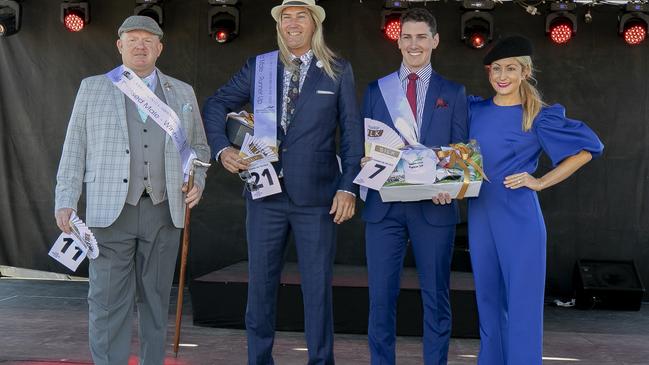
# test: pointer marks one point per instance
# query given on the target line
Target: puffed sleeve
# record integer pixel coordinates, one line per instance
(561, 137)
(471, 101)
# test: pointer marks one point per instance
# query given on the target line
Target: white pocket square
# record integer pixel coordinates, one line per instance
(324, 92)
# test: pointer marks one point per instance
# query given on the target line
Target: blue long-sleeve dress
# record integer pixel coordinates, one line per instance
(507, 234)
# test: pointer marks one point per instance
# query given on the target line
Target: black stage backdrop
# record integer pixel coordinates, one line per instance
(600, 213)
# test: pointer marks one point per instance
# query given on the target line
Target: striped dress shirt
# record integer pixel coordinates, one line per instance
(422, 87)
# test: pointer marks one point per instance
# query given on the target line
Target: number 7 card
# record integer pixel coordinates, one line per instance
(377, 171)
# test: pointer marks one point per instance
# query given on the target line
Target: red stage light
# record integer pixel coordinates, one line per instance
(223, 20)
(561, 33)
(393, 30)
(75, 15)
(634, 34)
(221, 36)
(477, 26)
(73, 21)
(561, 22)
(477, 40)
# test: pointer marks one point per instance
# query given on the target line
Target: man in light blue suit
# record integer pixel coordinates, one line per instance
(440, 112)
(314, 97)
(133, 175)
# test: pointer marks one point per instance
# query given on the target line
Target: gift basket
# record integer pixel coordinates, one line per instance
(418, 172)
(457, 171)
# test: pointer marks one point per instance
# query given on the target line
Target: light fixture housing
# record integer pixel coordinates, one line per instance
(223, 20)
(10, 14)
(633, 23)
(391, 18)
(561, 21)
(150, 8)
(75, 15)
(477, 23)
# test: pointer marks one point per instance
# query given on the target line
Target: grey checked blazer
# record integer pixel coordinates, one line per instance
(96, 147)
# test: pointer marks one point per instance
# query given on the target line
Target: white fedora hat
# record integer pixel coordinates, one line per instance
(317, 10)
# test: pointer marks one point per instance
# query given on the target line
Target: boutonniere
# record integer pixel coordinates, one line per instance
(440, 103)
(319, 64)
(167, 86)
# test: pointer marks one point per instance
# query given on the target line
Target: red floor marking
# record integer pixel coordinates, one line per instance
(133, 360)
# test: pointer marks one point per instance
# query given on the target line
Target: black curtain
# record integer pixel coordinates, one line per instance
(600, 213)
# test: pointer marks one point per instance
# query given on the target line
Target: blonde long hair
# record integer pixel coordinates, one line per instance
(530, 96)
(318, 45)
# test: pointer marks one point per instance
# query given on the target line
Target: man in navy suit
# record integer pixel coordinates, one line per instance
(440, 112)
(315, 96)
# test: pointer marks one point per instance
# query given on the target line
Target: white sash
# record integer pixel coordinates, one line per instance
(135, 89)
(265, 103)
(401, 113)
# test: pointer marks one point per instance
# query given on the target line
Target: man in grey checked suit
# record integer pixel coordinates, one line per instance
(134, 196)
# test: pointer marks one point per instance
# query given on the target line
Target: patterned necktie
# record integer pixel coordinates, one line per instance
(143, 114)
(411, 93)
(293, 93)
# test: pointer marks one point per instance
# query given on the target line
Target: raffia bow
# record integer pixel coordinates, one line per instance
(460, 155)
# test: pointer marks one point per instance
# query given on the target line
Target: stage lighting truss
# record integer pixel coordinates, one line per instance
(9, 18)
(223, 20)
(561, 22)
(75, 15)
(150, 8)
(633, 22)
(477, 23)
(391, 18)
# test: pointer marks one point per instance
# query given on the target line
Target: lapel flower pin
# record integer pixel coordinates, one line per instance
(440, 103)
(319, 64)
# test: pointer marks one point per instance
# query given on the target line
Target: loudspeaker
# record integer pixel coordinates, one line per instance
(607, 285)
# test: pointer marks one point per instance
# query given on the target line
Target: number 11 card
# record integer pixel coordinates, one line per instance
(68, 252)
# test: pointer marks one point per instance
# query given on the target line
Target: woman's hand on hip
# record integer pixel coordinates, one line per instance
(523, 179)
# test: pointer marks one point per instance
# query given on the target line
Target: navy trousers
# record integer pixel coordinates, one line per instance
(268, 224)
(386, 243)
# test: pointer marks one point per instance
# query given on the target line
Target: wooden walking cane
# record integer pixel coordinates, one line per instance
(183, 256)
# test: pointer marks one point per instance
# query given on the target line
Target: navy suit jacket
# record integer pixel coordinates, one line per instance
(307, 152)
(444, 121)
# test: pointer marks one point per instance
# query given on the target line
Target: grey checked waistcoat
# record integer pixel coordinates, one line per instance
(147, 145)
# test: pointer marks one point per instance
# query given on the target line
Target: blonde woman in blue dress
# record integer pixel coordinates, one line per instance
(507, 234)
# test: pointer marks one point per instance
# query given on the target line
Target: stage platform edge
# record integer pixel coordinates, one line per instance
(219, 300)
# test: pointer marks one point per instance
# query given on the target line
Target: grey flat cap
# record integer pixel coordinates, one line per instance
(139, 22)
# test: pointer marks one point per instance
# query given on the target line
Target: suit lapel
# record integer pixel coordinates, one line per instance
(434, 88)
(280, 99)
(120, 103)
(171, 99)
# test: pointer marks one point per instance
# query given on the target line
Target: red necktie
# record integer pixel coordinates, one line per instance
(411, 93)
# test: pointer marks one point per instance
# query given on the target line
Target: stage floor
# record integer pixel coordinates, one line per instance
(45, 322)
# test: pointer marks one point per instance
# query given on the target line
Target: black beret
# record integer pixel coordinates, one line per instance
(512, 46)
